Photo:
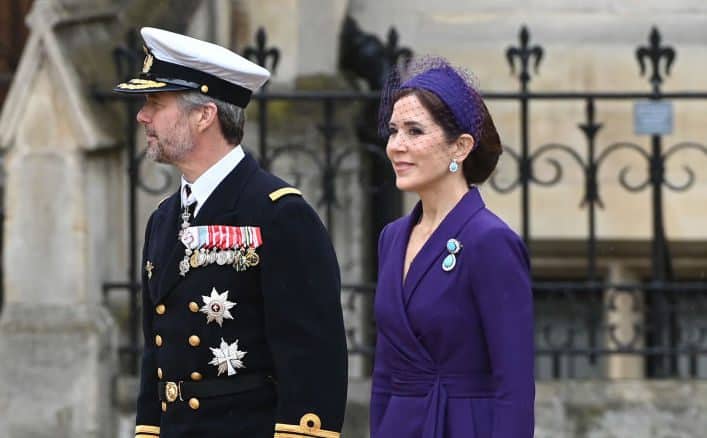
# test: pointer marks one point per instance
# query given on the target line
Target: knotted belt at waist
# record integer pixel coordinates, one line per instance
(173, 391)
(456, 386)
(438, 389)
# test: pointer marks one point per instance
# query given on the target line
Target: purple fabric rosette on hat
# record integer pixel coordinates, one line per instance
(453, 86)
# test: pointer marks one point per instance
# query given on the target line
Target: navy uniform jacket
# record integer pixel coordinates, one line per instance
(287, 317)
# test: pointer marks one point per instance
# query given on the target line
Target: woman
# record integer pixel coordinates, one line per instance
(454, 355)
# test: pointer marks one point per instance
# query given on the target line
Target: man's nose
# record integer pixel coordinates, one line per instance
(142, 116)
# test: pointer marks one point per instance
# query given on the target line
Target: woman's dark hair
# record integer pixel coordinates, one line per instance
(482, 159)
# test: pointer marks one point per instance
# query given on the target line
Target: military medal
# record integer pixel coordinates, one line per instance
(227, 358)
(239, 261)
(194, 259)
(217, 307)
(148, 268)
(224, 245)
(201, 257)
(184, 266)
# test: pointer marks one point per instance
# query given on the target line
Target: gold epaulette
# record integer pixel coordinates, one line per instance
(279, 193)
(310, 426)
(143, 431)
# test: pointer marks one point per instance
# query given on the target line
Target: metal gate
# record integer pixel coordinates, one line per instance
(574, 333)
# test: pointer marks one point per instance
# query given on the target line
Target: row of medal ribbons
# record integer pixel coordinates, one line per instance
(221, 237)
(220, 244)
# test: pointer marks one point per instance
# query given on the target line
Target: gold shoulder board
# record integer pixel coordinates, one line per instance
(279, 193)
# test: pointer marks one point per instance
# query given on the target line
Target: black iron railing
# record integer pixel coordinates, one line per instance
(582, 325)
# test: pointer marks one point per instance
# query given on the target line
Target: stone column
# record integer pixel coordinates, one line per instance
(290, 25)
(211, 21)
(625, 319)
(57, 341)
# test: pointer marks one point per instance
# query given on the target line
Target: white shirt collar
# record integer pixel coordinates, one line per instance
(209, 180)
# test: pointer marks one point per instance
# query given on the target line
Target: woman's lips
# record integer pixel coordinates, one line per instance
(402, 166)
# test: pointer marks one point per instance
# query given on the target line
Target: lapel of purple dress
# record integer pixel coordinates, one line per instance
(389, 301)
(431, 254)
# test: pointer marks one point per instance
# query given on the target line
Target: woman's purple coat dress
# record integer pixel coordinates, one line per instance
(454, 355)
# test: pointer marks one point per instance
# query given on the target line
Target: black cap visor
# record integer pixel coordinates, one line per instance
(160, 76)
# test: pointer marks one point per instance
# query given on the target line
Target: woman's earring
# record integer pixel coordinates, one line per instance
(453, 166)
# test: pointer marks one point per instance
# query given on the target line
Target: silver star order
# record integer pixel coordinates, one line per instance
(216, 307)
(228, 357)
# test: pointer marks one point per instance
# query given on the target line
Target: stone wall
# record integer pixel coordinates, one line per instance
(58, 346)
(620, 409)
(64, 205)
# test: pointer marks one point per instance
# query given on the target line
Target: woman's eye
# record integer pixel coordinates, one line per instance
(392, 131)
(415, 131)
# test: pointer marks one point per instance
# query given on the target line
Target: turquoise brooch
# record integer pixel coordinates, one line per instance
(450, 261)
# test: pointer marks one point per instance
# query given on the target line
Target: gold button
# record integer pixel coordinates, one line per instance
(160, 309)
(194, 403)
(196, 376)
(193, 307)
(159, 373)
(158, 340)
(194, 341)
(164, 406)
(204, 89)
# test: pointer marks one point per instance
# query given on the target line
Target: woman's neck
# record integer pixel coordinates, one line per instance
(438, 201)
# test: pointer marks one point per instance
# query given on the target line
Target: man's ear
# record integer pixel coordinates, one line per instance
(463, 147)
(207, 115)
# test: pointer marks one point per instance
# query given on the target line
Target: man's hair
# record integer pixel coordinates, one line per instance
(231, 118)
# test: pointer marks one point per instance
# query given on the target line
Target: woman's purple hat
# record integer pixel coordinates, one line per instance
(453, 86)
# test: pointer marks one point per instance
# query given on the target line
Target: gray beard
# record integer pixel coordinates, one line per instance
(157, 153)
(154, 153)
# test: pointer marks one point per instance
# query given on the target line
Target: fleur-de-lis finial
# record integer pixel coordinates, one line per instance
(655, 53)
(524, 53)
(260, 54)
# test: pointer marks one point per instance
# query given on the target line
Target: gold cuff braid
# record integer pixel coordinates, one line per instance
(145, 431)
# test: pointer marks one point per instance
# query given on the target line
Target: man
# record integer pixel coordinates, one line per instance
(242, 320)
